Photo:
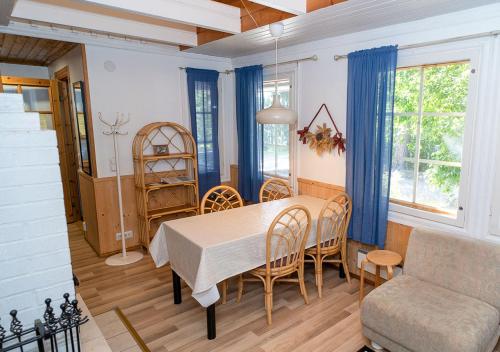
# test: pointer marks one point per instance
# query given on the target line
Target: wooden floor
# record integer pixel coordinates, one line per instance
(144, 294)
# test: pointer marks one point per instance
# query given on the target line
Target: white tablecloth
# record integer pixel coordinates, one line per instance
(206, 249)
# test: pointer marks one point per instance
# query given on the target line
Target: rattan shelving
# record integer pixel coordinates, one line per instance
(158, 201)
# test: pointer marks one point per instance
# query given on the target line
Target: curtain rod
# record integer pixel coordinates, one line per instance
(311, 58)
(441, 41)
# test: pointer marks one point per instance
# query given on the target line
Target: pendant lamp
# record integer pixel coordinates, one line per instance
(276, 113)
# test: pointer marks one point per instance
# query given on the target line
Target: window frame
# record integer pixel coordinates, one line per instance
(292, 104)
(20, 82)
(409, 212)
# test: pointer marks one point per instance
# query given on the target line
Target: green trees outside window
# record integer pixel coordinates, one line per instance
(429, 122)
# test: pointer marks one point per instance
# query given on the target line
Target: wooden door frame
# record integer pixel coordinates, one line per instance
(67, 170)
(88, 113)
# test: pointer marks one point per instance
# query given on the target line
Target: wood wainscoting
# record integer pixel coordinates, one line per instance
(397, 234)
(101, 214)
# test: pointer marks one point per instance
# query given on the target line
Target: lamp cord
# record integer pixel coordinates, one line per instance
(276, 66)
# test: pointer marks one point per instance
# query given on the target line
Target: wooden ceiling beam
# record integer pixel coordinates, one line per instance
(256, 11)
(48, 12)
(313, 5)
(202, 13)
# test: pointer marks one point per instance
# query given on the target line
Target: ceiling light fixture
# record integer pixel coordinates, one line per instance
(276, 113)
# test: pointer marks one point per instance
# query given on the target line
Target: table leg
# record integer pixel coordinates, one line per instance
(211, 328)
(377, 276)
(176, 283)
(362, 281)
(389, 272)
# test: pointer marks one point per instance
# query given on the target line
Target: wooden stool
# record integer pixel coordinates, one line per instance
(378, 258)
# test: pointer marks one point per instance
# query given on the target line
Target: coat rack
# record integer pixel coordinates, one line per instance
(122, 258)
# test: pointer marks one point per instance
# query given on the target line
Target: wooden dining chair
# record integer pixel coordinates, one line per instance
(331, 233)
(220, 198)
(285, 243)
(273, 189)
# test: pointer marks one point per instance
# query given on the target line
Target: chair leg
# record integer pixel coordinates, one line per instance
(240, 288)
(268, 300)
(319, 275)
(224, 291)
(346, 269)
(302, 284)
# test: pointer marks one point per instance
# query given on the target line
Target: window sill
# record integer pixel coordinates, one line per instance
(420, 218)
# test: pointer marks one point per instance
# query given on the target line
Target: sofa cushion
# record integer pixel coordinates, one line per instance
(425, 317)
(465, 265)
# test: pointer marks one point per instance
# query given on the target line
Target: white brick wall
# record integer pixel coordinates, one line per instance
(35, 261)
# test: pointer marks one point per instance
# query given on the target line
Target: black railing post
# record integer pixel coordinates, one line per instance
(40, 334)
(49, 328)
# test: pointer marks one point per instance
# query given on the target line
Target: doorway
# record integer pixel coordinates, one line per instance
(66, 142)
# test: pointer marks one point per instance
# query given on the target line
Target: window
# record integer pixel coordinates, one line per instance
(428, 139)
(277, 137)
(205, 127)
(36, 99)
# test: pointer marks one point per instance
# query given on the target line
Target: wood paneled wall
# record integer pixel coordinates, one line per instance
(397, 234)
(101, 214)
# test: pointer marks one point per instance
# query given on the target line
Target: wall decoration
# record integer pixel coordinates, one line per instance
(321, 140)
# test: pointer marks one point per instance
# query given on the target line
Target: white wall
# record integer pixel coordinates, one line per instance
(325, 81)
(24, 71)
(150, 87)
(72, 59)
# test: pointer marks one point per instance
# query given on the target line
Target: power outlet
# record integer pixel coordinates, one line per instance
(128, 235)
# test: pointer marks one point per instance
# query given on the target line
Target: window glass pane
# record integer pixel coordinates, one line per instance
(438, 186)
(276, 137)
(408, 90)
(276, 150)
(404, 137)
(204, 127)
(36, 98)
(46, 122)
(402, 176)
(430, 136)
(10, 89)
(283, 91)
(446, 88)
(442, 138)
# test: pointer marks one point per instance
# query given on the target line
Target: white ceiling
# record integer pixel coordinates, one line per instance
(344, 18)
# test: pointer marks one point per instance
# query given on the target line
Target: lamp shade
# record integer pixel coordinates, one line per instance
(277, 114)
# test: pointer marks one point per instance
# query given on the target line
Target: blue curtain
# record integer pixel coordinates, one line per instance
(203, 107)
(370, 106)
(249, 100)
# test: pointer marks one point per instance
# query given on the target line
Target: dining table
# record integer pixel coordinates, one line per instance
(207, 249)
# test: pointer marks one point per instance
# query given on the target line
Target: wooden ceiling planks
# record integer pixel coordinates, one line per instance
(17, 49)
(252, 12)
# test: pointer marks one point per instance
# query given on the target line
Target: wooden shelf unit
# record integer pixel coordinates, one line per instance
(156, 200)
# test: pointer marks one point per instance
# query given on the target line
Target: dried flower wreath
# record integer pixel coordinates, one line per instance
(322, 140)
